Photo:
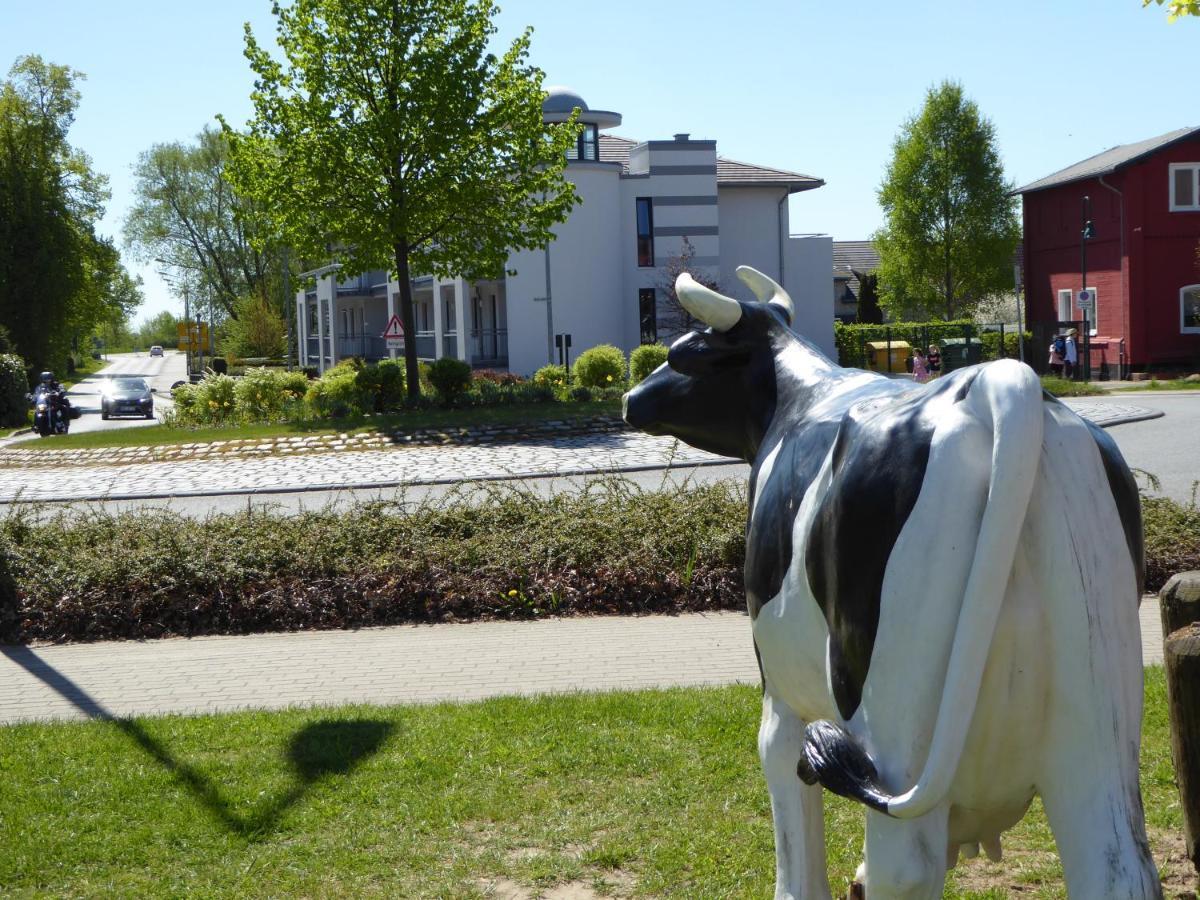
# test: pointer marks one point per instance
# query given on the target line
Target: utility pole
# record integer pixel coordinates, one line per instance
(289, 306)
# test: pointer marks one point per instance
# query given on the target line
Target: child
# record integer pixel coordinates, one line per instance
(920, 366)
(934, 358)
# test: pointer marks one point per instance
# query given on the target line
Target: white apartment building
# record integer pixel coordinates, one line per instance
(599, 280)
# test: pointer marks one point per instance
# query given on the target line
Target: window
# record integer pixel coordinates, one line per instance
(1185, 187)
(648, 315)
(1069, 312)
(585, 144)
(1189, 309)
(645, 232)
(1064, 306)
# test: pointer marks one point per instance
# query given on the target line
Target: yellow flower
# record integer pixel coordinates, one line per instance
(609, 377)
(212, 404)
(512, 593)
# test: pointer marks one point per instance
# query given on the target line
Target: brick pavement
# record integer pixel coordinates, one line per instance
(405, 664)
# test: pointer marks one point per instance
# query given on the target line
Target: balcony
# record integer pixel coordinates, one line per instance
(489, 347)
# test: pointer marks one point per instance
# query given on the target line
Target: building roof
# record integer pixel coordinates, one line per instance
(730, 172)
(562, 99)
(854, 256)
(1109, 161)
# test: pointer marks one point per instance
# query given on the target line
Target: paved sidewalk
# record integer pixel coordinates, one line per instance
(406, 664)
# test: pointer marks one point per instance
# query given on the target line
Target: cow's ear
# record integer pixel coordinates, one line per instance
(704, 352)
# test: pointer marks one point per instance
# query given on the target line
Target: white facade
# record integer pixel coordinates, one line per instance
(638, 203)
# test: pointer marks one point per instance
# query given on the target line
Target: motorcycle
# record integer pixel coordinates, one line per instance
(52, 412)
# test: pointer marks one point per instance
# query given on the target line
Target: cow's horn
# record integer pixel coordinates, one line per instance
(766, 290)
(713, 309)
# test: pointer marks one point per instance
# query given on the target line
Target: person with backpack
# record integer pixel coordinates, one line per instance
(1070, 354)
(1058, 354)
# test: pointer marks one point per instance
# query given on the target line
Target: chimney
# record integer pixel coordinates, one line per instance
(682, 136)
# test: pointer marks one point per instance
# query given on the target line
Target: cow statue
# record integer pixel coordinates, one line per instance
(943, 583)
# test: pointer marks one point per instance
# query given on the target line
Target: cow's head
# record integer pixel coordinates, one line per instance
(717, 389)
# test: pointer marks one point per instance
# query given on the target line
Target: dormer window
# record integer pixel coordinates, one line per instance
(1185, 187)
(585, 144)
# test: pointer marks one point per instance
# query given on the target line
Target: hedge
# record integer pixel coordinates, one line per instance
(851, 340)
(484, 552)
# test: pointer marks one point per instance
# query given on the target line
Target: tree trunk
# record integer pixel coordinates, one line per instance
(1179, 602)
(412, 377)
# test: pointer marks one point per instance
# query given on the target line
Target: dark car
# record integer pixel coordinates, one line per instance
(126, 396)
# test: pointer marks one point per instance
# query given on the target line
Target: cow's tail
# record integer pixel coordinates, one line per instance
(833, 756)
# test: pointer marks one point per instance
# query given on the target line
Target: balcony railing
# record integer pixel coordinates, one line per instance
(367, 346)
(489, 346)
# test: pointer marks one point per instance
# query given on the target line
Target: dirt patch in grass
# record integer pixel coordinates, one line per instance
(1179, 878)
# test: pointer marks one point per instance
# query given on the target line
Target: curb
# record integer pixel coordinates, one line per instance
(374, 485)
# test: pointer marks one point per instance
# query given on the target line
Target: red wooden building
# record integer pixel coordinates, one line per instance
(1142, 259)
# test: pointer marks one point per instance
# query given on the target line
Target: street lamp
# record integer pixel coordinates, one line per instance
(1085, 235)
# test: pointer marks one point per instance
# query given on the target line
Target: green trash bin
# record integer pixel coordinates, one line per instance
(960, 352)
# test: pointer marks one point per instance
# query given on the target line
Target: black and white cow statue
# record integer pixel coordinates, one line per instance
(943, 583)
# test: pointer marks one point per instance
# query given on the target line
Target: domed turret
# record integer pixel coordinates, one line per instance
(562, 101)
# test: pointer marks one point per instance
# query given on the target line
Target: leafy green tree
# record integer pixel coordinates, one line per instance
(257, 330)
(1176, 9)
(392, 136)
(951, 223)
(187, 215)
(58, 278)
(869, 312)
(160, 329)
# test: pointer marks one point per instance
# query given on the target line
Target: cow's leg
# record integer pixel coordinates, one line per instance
(797, 808)
(906, 859)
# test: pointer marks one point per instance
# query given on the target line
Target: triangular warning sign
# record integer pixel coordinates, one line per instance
(394, 328)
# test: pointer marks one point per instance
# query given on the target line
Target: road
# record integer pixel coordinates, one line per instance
(1168, 448)
(160, 371)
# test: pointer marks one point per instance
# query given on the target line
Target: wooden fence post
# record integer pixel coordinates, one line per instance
(1179, 604)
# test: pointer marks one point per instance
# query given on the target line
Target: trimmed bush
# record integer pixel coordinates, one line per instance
(600, 366)
(551, 376)
(14, 385)
(383, 383)
(338, 393)
(580, 394)
(450, 378)
(644, 360)
(1172, 538)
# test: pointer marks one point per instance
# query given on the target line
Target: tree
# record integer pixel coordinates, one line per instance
(869, 312)
(951, 221)
(187, 215)
(394, 139)
(675, 319)
(257, 330)
(161, 329)
(1176, 9)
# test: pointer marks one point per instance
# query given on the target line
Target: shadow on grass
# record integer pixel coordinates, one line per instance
(318, 750)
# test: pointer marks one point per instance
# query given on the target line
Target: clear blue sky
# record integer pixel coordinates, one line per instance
(819, 88)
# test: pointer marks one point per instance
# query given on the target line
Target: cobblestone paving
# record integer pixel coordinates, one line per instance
(286, 471)
(404, 664)
(317, 471)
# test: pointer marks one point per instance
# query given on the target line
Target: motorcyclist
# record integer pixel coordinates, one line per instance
(49, 387)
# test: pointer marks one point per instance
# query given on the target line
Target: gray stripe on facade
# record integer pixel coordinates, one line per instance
(685, 201)
(714, 261)
(681, 145)
(684, 170)
(686, 230)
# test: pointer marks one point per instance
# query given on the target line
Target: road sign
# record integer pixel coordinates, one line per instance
(191, 336)
(1085, 300)
(394, 333)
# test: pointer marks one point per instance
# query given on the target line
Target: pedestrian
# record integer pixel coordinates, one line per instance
(934, 358)
(920, 366)
(1058, 352)
(1071, 357)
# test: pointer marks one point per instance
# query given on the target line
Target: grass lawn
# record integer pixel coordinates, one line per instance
(653, 793)
(159, 435)
(1064, 387)
(1155, 385)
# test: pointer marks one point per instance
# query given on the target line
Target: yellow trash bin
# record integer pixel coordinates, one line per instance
(878, 353)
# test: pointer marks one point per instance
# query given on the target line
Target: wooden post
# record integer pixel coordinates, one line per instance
(1179, 603)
